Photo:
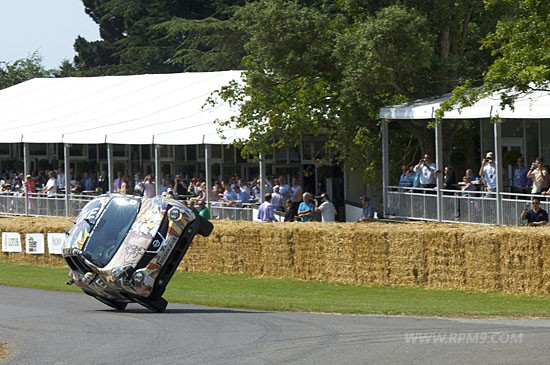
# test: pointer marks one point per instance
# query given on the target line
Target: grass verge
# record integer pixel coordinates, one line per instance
(239, 291)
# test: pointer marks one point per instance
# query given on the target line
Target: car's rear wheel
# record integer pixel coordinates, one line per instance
(156, 305)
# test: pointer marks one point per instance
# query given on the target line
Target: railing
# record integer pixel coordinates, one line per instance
(476, 207)
(40, 204)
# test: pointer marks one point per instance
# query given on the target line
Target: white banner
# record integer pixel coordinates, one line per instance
(11, 242)
(55, 243)
(34, 243)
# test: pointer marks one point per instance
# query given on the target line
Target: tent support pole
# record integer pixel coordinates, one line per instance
(26, 170)
(207, 172)
(498, 164)
(110, 167)
(66, 157)
(439, 167)
(262, 177)
(385, 166)
(158, 180)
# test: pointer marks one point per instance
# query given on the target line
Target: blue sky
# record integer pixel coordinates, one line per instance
(49, 26)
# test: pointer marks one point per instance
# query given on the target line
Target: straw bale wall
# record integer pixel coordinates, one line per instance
(451, 256)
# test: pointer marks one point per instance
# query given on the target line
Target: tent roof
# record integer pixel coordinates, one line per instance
(534, 105)
(140, 109)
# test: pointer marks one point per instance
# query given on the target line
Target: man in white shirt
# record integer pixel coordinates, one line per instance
(327, 209)
(51, 186)
(427, 172)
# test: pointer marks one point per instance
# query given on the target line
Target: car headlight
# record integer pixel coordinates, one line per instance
(174, 214)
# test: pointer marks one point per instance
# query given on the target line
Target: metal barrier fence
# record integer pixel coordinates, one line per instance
(478, 207)
(39, 204)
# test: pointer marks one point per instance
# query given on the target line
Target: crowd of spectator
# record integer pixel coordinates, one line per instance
(534, 180)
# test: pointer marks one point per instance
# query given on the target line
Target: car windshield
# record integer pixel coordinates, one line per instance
(111, 229)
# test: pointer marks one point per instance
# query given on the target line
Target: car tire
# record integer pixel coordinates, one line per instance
(156, 305)
(112, 303)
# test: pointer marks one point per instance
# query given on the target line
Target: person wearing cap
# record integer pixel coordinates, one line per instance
(367, 215)
(488, 172)
(266, 212)
(326, 208)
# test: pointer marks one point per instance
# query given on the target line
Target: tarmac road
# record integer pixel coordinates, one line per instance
(42, 327)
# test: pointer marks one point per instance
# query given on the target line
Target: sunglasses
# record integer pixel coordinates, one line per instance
(535, 203)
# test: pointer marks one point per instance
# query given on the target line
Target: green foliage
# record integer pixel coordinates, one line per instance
(13, 73)
(159, 36)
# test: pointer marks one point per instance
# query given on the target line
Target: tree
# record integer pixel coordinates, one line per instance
(13, 73)
(318, 67)
(158, 36)
(521, 43)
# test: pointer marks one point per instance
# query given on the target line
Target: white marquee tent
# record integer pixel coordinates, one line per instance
(164, 109)
(535, 105)
(158, 109)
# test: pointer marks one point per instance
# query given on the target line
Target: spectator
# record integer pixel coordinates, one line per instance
(520, 183)
(295, 196)
(470, 183)
(149, 187)
(427, 169)
(60, 179)
(179, 187)
(284, 188)
(449, 178)
(326, 208)
(87, 181)
(488, 173)
(367, 215)
(306, 210)
(277, 199)
(288, 204)
(79, 188)
(229, 196)
(103, 182)
(203, 209)
(51, 186)
(118, 182)
(406, 179)
(126, 186)
(266, 211)
(536, 216)
(242, 196)
(538, 175)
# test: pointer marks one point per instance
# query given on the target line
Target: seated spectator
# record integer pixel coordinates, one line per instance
(229, 196)
(536, 216)
(367, 215)
(470, 183)
(306, 209)
(243, 197)
(79, 188)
